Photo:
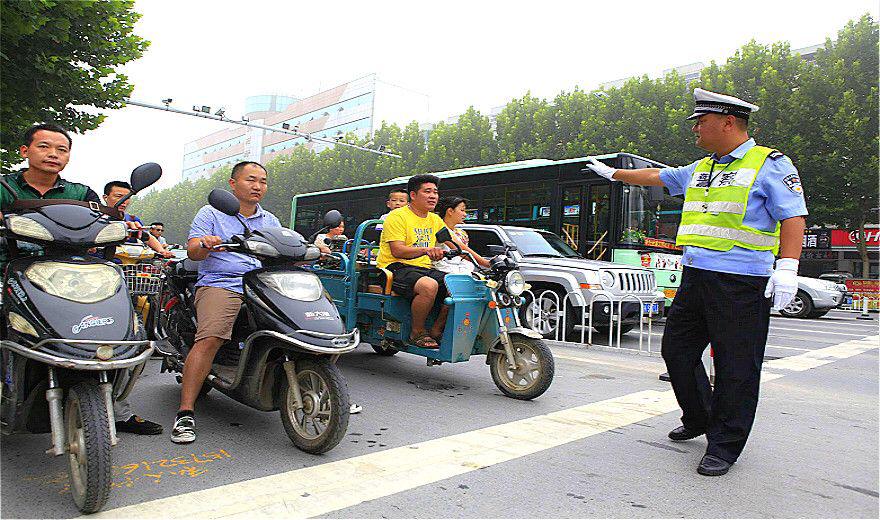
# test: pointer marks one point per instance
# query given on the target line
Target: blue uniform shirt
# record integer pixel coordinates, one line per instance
(222, 269)
(775, 196)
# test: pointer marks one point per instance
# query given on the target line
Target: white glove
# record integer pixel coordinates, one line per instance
(601, 169)
(782, 285)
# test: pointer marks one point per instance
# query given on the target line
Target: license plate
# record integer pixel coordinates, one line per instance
(650, 307)
(669, 293)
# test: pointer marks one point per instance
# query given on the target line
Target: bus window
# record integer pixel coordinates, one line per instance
(528, 204)
(641, 218)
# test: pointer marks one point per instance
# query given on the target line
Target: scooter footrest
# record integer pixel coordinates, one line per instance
(163, 346)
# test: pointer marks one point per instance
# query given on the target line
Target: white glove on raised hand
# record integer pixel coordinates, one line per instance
(601, 169)
(782, 285)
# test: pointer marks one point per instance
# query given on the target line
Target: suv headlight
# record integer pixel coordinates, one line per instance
(607, 279)
(515, 283)
(112, 232)
(88, 283)
(261, 248)
(304, 287)
(28, 227)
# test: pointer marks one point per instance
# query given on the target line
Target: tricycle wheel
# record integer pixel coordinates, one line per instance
(384, 351)
(533, 373)
(87, 430)
(321, 423)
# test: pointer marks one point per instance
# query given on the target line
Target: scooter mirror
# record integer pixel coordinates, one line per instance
(443, 235)
(223, 201)
(332, 219)
(144, 176)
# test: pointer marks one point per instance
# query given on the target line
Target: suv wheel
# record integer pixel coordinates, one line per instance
(542, 316)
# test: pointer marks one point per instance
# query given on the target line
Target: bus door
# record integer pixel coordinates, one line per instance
(572, 216)
(585, 213)
(596, 239)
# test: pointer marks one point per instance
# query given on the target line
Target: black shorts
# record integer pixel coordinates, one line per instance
(406, 276)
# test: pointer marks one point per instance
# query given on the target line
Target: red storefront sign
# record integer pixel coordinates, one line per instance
(863, 286)
(847, 238)
(664, 244)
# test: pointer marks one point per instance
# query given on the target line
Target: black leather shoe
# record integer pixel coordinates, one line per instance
(712, 466)
(682, 434)
(138, 426)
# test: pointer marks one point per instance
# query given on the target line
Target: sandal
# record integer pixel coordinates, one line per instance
(423, 340)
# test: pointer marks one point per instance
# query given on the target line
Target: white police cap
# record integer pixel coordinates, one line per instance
(706, 102)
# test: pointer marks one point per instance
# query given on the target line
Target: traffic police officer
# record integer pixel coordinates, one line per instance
(743, 206)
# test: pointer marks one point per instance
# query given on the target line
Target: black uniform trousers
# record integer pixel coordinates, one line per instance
(730, 312)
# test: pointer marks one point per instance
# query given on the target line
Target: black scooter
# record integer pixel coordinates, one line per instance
(69, 333)
(285, 341)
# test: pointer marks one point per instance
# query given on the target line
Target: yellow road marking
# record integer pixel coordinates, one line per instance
(325, 488)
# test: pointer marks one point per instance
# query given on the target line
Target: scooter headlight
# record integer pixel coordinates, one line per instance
(515, 283)
(28, 227)
(112, 232)
(304, 287)
(87, 283)
(261, 248)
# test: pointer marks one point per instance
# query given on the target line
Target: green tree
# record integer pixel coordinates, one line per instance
(522, 128)
(469, 142)
(56, 56)
(836, 130)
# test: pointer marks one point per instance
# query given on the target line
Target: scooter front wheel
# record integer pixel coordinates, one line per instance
(534, 368)
(87, 429)
(322, 421)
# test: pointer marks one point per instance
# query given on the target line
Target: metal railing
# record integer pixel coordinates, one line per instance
(586, 323)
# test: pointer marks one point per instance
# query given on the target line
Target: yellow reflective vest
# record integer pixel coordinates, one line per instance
(715, 204)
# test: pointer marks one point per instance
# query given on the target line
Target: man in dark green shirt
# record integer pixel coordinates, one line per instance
(46, 147)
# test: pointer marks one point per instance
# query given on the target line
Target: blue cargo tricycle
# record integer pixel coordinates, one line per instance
(483, 318)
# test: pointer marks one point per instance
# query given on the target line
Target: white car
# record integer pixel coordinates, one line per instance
(814, 298)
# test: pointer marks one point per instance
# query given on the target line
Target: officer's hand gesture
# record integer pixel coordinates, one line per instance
(782, 285)
(600, 168)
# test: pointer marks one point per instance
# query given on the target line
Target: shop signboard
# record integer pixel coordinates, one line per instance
(850, 238)
(864, 288)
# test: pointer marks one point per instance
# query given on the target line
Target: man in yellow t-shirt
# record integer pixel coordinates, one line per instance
(407, 247)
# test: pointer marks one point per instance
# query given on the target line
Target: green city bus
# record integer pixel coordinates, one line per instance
(602, 220)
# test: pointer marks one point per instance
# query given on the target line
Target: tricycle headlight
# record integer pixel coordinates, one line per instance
(607, 279)
(112, 232)
(304, 287)
(82, 283)
(515, 283)
(28, 227)
(261, 248)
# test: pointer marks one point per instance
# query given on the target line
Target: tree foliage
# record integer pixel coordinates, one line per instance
(822, 114)
(56, 56)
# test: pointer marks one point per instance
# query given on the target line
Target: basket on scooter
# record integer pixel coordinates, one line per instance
(143, 278)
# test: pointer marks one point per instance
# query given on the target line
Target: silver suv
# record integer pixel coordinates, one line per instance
(814, 298)
(549, 264)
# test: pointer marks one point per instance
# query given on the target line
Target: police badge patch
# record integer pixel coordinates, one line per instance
(793, 183)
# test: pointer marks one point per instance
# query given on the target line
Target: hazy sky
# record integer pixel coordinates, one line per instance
(480, 53)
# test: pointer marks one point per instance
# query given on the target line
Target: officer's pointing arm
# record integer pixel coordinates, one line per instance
(640, 176)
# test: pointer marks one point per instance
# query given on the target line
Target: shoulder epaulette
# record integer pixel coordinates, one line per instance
(776, 154)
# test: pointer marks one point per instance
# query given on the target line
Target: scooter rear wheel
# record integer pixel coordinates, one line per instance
(321, 423)
(87, 429)
(534, 371)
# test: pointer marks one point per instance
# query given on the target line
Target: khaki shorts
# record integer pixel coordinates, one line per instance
(216, 310)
